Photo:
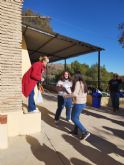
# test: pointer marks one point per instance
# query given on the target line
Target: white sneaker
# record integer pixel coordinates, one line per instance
(85, 135)
(70, 121)
(36, 110)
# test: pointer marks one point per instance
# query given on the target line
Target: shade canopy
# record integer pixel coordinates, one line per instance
(54, 45)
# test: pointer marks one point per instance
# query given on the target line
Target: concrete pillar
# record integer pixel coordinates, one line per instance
(10, 55)
(10, 63)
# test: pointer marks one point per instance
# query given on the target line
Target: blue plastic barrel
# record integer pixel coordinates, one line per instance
(96, 99)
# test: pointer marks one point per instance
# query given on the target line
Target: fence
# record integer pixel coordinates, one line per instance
(92, 84)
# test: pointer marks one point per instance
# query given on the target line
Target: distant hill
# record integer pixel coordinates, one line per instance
(54, 69)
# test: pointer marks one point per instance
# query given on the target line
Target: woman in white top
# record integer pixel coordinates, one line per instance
(64, 87)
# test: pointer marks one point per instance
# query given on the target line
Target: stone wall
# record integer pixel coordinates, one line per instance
(10, 55)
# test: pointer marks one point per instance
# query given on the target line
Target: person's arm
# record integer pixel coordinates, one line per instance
(109, 85)
(121, 80)
(76, 91)
(36, 71)
(59, 86)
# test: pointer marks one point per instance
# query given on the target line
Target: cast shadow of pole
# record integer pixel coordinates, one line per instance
(107, 110)
(104, 117)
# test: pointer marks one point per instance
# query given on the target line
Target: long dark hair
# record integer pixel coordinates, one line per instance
(78, 77)
(63, 78)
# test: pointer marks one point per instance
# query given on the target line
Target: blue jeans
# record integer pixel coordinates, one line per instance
(115, 100)
(31, 102)
(64, 102)
(76, 111)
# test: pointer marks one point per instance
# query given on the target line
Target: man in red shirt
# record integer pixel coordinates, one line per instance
(30, 80)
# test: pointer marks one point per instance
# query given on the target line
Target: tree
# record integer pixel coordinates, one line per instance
(121, 38)
(76, 66)
(31, 18)
(85, 68)
(90, 73)
(105, 77)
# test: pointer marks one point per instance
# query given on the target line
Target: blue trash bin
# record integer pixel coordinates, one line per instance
(96, 99)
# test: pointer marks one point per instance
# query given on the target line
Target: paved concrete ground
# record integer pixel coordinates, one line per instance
(55, 146)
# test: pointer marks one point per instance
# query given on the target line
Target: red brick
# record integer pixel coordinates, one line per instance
(3, 119)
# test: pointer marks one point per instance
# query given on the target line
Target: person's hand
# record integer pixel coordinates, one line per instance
(67, 95)
(64, 89)
(42, 79)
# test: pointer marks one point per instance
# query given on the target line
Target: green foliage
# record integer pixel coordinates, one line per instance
(85, 68)
(90, 73)
(76, 66)
(36, 20)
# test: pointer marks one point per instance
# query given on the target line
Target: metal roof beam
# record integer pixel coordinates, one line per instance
(25, 30)
(73, 55)
(49, 55)
(62, 50)
(44, 44)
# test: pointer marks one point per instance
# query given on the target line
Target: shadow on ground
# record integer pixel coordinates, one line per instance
(96, 115)
(117, 132)
(107, 110)
(48, 117)
(46, 154)
(100, 154)
(50, 156)
(104, 146)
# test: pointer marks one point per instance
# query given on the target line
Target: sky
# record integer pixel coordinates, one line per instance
(92, 21)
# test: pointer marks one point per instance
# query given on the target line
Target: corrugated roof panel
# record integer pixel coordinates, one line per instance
(54, 45)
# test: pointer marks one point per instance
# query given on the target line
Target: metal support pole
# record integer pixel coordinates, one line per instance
(65, 65)
(99, 76)
(46, 75)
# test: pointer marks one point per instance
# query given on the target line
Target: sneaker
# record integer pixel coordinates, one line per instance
(34, 111)
(56, 121)
(69, 120)
(73, 132)
(85, 135)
